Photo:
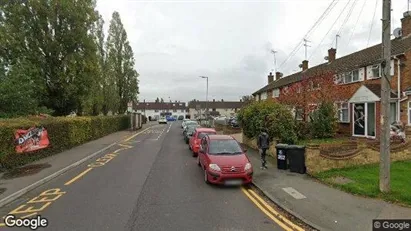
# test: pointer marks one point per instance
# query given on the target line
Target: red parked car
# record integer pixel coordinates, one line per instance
(199, 133)
(224, 161)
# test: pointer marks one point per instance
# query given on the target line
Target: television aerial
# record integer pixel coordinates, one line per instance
(397, 33)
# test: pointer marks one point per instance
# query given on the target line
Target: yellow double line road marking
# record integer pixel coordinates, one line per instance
(270, 211)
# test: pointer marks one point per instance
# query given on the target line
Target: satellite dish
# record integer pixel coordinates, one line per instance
(397, 33)
(300, 66)
(326, 57)
(281, 75)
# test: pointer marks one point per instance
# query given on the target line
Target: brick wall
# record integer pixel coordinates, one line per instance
(345, 129)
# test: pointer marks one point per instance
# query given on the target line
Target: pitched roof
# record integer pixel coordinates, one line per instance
(216, 104)
(376, 89)
(365, 57)
(160, 106)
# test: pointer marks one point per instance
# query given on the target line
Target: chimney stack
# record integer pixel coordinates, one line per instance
(278, 75)
(305, 65)
(213, 100)
(406, 24)
(331, 54)
(270, 78)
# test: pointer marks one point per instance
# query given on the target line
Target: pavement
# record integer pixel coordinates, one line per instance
(149, 181)
(318, 205)
(58, 164)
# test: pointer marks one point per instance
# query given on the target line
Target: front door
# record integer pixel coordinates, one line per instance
(364, 119)
(359, 119)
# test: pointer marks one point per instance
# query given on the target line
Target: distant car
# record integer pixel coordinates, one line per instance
(183, 123)
(234, 123)
(199, 133)
(190, 132)
(187, 123)
(224, 161)
(171, 118)
(181, 117)
(162, 120)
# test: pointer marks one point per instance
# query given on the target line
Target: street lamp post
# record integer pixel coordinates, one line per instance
(206, 114)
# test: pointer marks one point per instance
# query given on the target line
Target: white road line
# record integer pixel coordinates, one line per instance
(294, 193)
(169, 127)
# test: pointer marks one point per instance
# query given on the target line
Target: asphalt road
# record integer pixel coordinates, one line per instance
(152, 183)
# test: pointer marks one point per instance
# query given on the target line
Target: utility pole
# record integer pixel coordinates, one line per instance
(385, 97)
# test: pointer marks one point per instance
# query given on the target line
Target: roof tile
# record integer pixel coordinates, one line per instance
(365, 57)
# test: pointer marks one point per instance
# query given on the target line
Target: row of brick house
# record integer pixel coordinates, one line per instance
(194, 108)
(360, 74)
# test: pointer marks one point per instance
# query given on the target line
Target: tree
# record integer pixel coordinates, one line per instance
(162, 100)
(120, 64)
(247, 99)
(51, 41)
(97, 92)
(305, 95)
(157, 100)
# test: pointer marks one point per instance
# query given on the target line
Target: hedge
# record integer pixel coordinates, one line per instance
(63, 132)
(275, 117)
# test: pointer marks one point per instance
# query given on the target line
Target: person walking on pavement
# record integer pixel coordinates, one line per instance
(263, 143)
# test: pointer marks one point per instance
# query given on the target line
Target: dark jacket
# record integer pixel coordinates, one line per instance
(263, 140)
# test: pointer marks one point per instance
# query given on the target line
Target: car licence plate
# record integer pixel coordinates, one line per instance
(233, 182)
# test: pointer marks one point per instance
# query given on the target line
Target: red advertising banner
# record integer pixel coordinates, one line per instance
(32, 139)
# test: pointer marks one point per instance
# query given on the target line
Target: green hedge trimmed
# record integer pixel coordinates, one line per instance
(64, 133)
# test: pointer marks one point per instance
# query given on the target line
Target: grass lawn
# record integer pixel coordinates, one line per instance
(366, 181)
(323, 141)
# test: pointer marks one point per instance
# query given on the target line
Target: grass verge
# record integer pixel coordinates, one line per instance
(365, 181)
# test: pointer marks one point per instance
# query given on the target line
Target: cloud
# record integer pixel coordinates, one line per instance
(176, 41)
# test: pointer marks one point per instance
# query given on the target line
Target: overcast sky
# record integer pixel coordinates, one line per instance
(174, 42)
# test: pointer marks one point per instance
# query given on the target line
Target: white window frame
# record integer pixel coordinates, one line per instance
(409, 112)
(365, 121)
(299, 89)
(373, 67)
(341, 78)
(264, 96)
(314, 86)
(276, 93)
(339, 111)
(295, 110)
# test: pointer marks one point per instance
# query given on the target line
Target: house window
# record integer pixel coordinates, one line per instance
(286, 89)
(264, 95)
(298, 113)
(375, 72)
(409, 112)
(156, 110)
(349, 77)
(314, 85)
(343, 112)
(174, 104)
(393, 112)
(175, 110)
(299, 89)
(276, 93)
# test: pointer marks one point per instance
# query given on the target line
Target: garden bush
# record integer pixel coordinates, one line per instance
(63, 132)
(324, 123)
(276, 118)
